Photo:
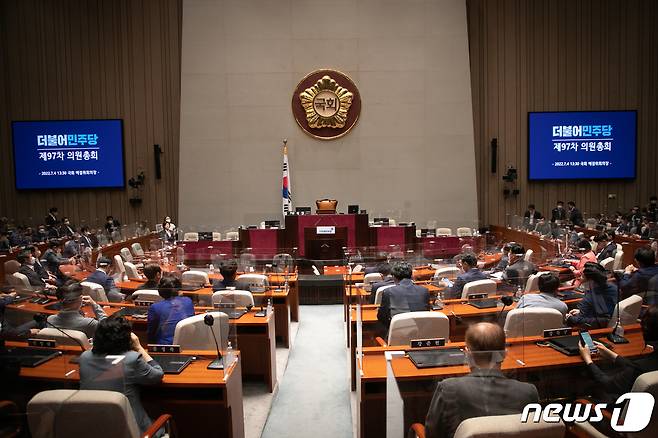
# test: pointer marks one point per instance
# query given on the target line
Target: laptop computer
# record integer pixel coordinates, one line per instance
(486, 303)
(172, 363)
(437, 358)
(130, 311)
(567, 345)
(569, 295)
(29, 357)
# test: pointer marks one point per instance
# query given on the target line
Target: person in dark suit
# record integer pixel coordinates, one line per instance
(623, 227)
(384, 269)
(559, 214)
(113, 337)
(636, 280)
(531, 216)
(101, 276)
(471, 272)
(53, 257)
(66, 229)
(606, 245)
(164, 315)
(85, 240)
(575, 216)
(39, 268)
(26, 259)
(596, 307)
(153, 274)
(5, 246)
(51, 219)
(518, 270)
(635, 218)
(483, 392)
(404, 297)
(229, 270)
(41, 235)
(612, 383)
(112, 225)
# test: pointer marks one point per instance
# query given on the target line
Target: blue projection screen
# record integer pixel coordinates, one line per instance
(68, 154)
(582, 145)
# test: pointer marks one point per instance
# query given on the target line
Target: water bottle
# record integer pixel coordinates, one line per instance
(228, 356)
(269, 307)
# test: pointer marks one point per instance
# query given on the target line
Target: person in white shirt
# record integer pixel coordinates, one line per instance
(547, 296)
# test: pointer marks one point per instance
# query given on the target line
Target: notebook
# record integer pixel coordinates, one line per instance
(437, 358)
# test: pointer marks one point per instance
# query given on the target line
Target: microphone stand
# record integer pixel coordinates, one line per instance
(40, 318)
(216, 364)
(617, 335)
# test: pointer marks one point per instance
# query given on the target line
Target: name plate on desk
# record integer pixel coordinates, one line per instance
(45, 343)
(142, 303)
(552, 333)
(478, 296)
(158, 348)
(325, 230)
(424, 343)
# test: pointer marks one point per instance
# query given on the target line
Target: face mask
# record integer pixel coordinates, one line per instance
(559, 207)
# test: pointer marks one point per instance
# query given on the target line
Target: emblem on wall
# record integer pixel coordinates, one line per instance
(326, 104)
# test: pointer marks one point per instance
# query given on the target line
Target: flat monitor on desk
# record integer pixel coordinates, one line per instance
(272, 224)
(303, 210)
(352, 209)
(381, 220)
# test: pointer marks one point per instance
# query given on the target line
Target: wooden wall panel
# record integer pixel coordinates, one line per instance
(560, 55)
(74, 59)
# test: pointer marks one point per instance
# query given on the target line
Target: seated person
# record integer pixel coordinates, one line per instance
(547, 296)
(598, 304)
(384, 269)
(483, 392)
(468, 265)
(504, 259)
(69, 317)
(620, 378)
(164, 315)
(586, 255)
(54, 258)
(519, 269)
(113, 337)
(636, 281)
(229, 270)
(531, 217)
(607, 246)
(39, 268)
(102, 276)
(71, 247)
(7, 330)
(404, 297)
(153, 274)
(5, 246)
(27, 260)
(543, 228)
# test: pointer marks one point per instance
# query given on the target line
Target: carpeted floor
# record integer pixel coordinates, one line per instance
(314, 394)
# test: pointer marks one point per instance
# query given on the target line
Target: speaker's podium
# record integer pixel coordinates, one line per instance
(325, 242)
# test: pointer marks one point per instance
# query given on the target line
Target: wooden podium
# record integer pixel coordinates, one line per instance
(322, 246)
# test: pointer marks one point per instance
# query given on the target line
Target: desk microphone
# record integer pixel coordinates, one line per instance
(216, 364)
(42, 320)
(507, 301)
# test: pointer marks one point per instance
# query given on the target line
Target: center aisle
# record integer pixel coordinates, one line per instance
(314, 396)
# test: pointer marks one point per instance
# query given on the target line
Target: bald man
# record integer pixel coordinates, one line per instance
(483, 392)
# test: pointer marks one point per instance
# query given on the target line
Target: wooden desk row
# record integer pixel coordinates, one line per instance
(202, 402)
(255, 335)
(555, 375)
(459, 313)
(285, 302)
